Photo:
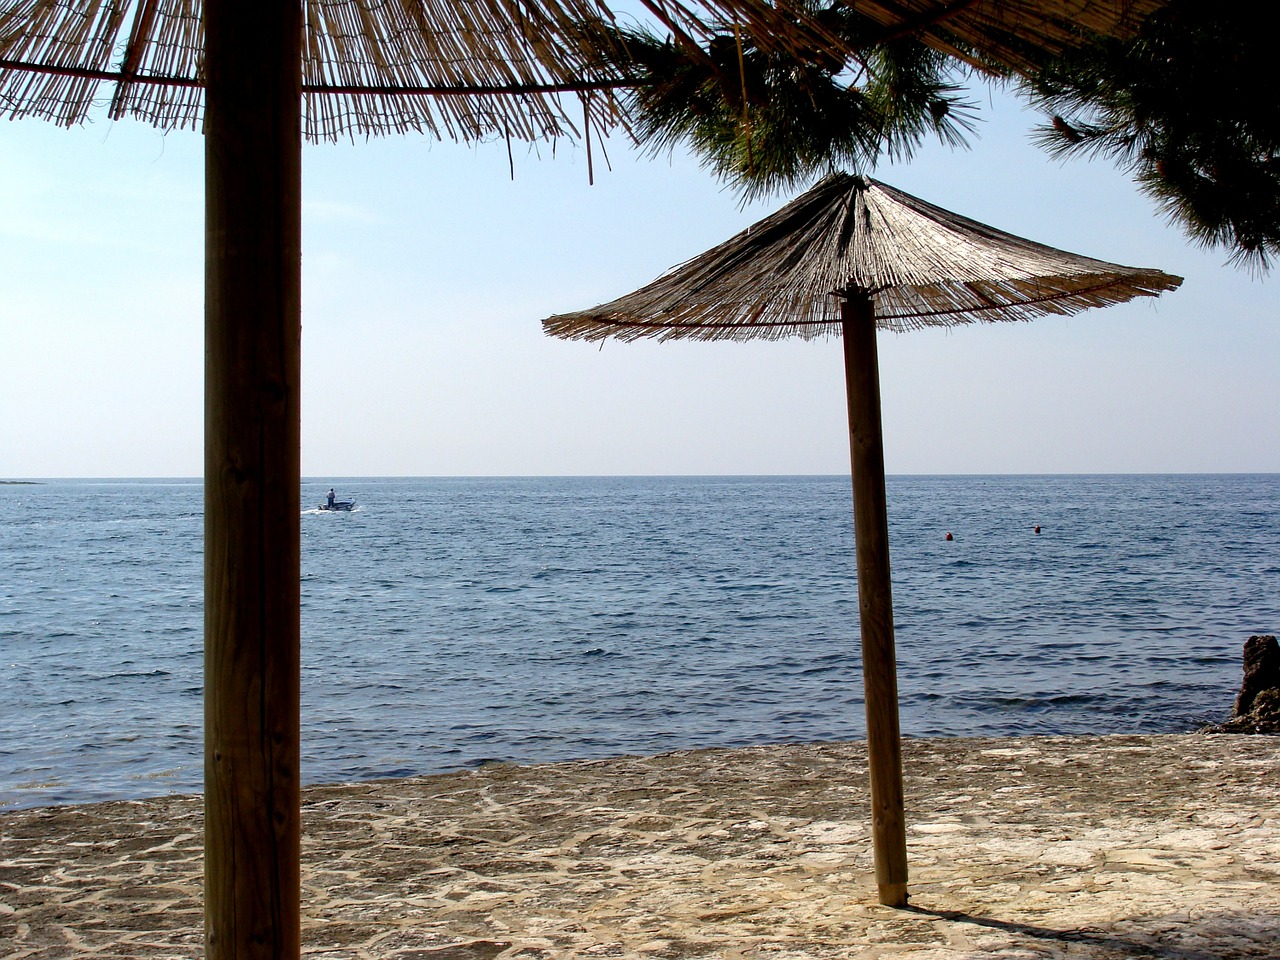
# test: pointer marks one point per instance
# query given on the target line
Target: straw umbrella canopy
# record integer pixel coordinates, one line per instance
(256, 76)
(849, 256)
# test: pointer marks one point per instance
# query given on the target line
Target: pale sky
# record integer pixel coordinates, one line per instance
(426, 270)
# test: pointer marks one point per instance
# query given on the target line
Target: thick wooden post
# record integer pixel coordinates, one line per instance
(875, 599)
(252, 435)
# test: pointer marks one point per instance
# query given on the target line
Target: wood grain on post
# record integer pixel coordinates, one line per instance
(875, 599)
(252, 435)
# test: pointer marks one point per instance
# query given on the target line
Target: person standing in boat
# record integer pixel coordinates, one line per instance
(331, 498)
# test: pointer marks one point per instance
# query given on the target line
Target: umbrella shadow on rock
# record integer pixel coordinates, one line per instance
(1214, 937)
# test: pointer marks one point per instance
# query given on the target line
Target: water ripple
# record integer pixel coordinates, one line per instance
(450, 623)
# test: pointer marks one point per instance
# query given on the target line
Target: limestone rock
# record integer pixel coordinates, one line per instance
(1257, 707)
(1261, 671)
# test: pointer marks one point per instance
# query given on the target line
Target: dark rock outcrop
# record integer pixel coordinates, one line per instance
(1261, 671)
(1257, 708)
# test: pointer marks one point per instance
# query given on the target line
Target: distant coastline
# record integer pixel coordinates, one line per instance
(19, 483)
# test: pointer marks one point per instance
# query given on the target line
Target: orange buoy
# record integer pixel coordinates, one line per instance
(949, 536)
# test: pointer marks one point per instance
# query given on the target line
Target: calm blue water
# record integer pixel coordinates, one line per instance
(448, 622)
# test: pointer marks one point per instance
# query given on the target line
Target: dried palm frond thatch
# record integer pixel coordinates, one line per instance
(463, 69)
(920, 265)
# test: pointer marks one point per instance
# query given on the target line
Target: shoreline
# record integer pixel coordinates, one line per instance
(1081, 847)
(23, 796)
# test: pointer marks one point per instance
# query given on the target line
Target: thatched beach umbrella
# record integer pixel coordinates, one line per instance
(256, 76)
(849, 256)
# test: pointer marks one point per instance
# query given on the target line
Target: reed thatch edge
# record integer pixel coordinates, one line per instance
(921, 266)
(466, 70)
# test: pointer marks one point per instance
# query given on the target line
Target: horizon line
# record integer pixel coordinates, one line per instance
(329, 478)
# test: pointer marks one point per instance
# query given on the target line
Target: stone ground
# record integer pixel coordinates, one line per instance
(1098, 848)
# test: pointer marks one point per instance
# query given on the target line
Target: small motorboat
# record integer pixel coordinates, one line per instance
(333, 504)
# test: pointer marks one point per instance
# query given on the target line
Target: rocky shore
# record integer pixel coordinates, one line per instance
(1099, 847)
(1257, 706)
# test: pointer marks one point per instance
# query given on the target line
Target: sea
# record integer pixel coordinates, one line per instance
(454, 622)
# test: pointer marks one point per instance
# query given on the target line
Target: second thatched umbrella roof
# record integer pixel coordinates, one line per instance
(849, 256)
(920, 265)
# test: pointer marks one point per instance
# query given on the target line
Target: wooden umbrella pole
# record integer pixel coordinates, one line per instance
(875, 598)
(252, 434)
